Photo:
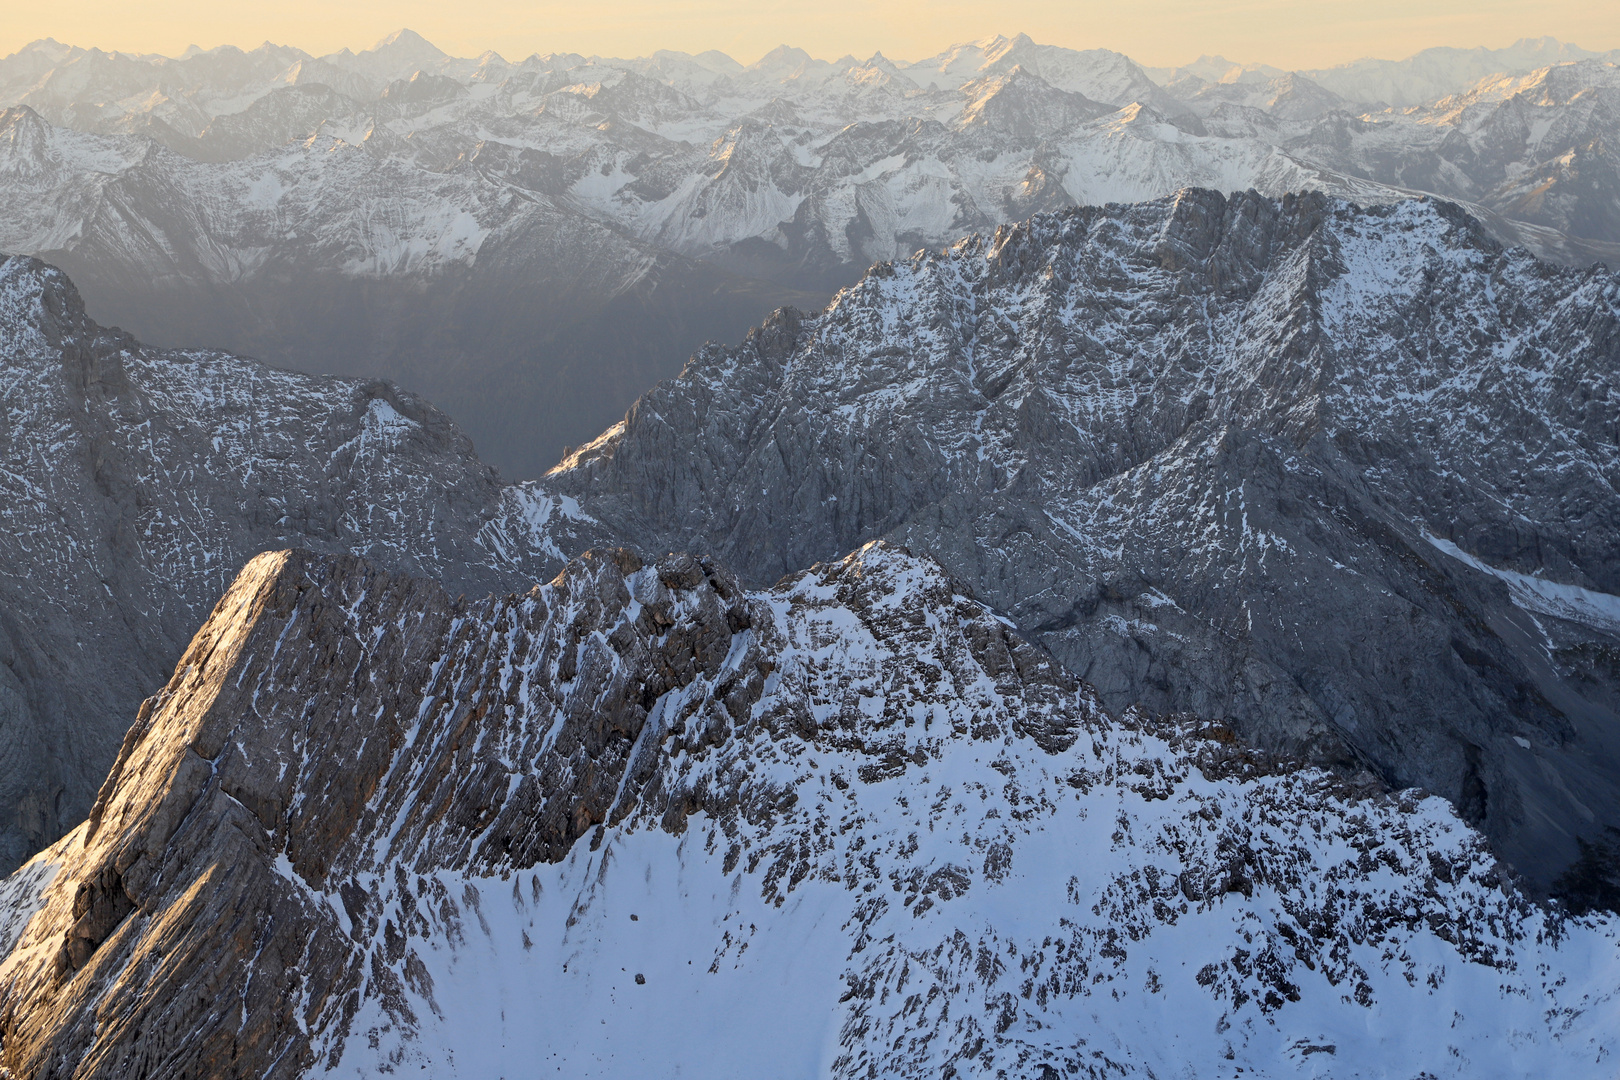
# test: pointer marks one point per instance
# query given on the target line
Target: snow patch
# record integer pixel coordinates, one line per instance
(1572, 602)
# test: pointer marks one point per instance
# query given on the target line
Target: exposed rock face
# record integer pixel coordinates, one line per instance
(1343, 477)
(851, 826)
(136, 482)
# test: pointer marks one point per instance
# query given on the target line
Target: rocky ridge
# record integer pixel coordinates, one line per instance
(137, 481)
(1343, 478)
(852, 825)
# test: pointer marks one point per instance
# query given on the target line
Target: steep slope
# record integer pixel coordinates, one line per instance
(534, 325)
(135, 483)
(1321, 471)
(639, 819)
(1098, 74)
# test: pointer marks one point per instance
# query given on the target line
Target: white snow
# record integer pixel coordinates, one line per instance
(1543, 597)
(21, 896)
(987, 906)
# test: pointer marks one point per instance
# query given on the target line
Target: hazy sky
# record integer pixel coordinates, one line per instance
(1288, 33)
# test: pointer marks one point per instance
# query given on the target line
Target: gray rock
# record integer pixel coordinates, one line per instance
(135, 482)
(1313, 469)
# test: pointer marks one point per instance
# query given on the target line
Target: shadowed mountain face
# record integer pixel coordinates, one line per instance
(1345, 478)
(641, 820)
(532, 244)
(533, 324)
(137, 481)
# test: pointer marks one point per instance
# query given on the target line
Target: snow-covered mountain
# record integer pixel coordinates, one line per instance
(1423, 77)
(1164, 439)
(1194, 642)
(640, 821)
(1535, 149)
(1347, 479)
(532, 243)
(1441, 72)
(532, 322)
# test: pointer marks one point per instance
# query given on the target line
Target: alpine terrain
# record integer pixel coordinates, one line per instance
(1131, 629)
(643, 821)
(1343, 478)
(532, 243)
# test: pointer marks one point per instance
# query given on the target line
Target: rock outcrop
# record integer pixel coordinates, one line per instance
(641, 819)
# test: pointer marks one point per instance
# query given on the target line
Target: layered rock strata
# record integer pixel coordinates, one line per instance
(135, 482)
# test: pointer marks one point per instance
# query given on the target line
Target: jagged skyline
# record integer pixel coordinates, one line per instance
(1159, 32)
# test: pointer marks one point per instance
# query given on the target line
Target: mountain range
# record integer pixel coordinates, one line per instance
(1159, 439)
(1012, 564)
(1200, 609)
(569, 229)
(1345, 478)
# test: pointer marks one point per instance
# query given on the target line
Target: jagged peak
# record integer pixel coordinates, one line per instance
(21, 115)
(40, 308)
(403, 786)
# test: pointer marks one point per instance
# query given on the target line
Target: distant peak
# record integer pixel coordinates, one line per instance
(19, 114)
(50, 47)
(716, 61)
(407, 39)
(785, 52)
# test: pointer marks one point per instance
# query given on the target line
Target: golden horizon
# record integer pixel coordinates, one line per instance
(1163, 33)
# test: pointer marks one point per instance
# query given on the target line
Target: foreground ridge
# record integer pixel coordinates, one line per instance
(850, 826)
(138, 480)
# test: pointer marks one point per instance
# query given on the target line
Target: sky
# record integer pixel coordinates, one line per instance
(1287, 33)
